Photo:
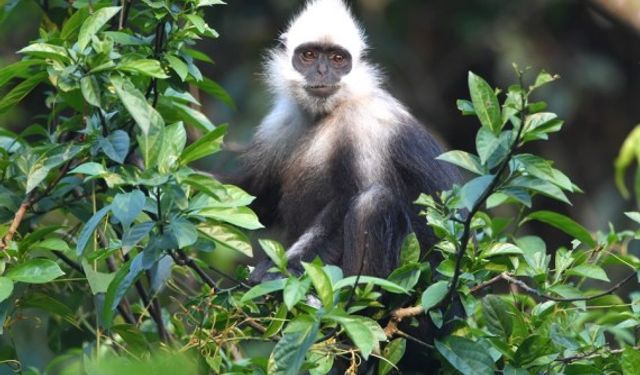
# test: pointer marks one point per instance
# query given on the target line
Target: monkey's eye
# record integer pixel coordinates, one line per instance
(308, 55)
(338, 59)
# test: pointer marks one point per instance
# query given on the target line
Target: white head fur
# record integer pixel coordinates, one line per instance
(321, 21)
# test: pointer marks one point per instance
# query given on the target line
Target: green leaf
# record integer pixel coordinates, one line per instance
(148, 67)
(242, 217)
(630, 361)
(590, 271)
(466, 356)
(277, 322)
(90, 90)
(93, 24)
(635, 216)
(173, 142)
(275, 251)
(52, 243)
(127, 206)
(382, 283)
(135, 234)
(73, 23)
(205, 146)
(116, 145)
(179, 66)
(472, 190)
(6, 288)
(410, 250)
(184, 232)
(540, 186)
(289, 353)
(294, 291)
(485, 103)
(23, 89)
(629, 152)
(227, 237)
(406, 276)
(52, 159)
(464, 160)
(434, 294)
(563, 223)
(98, 281)
(321, 283)
(46, 51)
(392, 353)
(122, 281)
(466, 107)
(35, 271)
(217, 91)
(144, 115)
(89, 227)
(89, 168)
(486, 144)
(497, 316)
(262, 289)
(542, 79)
(501, 248)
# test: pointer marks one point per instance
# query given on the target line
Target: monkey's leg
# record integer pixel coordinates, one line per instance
(322, 238)
(375, 225)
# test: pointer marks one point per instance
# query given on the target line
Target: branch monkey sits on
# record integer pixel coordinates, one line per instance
(338, 161)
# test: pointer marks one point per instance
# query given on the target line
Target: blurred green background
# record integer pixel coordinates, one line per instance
(425, 49)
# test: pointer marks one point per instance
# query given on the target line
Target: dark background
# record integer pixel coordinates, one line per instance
(426, 49)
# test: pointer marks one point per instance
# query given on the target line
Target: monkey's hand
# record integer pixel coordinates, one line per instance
(265, 271)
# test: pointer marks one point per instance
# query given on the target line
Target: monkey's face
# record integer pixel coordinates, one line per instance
(322, 66)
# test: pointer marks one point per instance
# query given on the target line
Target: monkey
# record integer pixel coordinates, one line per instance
(338, 161)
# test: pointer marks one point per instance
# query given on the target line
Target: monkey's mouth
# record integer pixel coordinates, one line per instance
(322, 91)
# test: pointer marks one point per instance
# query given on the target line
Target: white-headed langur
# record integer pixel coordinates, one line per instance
(338, 162)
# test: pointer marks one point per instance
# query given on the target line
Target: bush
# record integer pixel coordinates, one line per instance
(97, 199)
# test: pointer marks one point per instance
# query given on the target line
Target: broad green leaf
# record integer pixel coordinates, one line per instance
(263, 288)
(98, 281)
(501, 248)
(464, 160)
(127, 206)
(410, 250)
(178, 66)
(206, 184)
(406, 276)
(122, 281)
(497, 316)
(135, 234)
(473, 190)
(434, 294)
(227, 237)
(148, 67)
(590, 271)
(94, 23)
(190, 115)
(6, 288)
(540, 186)
(289, 353)
(392, 354)
(242, 217)
(485, 103)
(184, 232)
(205, 146)
(150, 122)
(73, 23)
(116, 145)
(542, 79)
(89, 168)
(360, 335)
(275, 251)
(486, 144)
(382, 283)
(635, 216)
(321, 283)
(52, 243)
(18, 93)
(563, 223)
(35, 271)
(46, 51)
(90, 90)
(466, 356)
(89, 228)
(630, 361)
(294, 291)
(323, 361)
(173, 142)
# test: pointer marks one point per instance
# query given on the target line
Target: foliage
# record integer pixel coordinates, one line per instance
(97, 199)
